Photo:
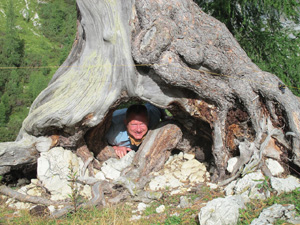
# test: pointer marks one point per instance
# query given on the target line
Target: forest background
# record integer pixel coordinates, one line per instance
(36, 36)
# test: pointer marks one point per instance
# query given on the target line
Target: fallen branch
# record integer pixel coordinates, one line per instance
(27, 198)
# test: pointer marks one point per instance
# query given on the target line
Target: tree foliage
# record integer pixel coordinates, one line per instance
(19, 82)
(259, 27)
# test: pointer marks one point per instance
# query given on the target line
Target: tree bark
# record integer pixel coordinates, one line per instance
(173, 55)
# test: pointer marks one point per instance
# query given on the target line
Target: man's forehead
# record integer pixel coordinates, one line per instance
(138, 117)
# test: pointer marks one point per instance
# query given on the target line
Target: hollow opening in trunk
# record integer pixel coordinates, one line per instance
(197, 134)
(20, 175)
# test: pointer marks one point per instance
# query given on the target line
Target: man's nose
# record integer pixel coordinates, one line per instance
(138, 128)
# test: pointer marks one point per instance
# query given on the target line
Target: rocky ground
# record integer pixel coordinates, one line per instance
(181, 176)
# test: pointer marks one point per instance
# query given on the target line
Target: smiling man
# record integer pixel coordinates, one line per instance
(129, 127)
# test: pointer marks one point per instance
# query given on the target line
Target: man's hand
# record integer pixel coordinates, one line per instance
(121, 151)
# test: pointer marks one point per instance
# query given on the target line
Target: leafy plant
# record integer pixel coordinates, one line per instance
(74, 196)
(265, 185)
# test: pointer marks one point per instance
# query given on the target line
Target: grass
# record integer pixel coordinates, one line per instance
(121, 213)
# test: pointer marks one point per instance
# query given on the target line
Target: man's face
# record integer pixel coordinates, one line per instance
(137, 126)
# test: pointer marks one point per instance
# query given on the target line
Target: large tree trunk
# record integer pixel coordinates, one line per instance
(172, 54)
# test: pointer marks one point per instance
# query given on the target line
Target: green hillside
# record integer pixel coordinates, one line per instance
(35, 38)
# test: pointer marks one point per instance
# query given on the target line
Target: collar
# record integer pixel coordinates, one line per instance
(136, 142)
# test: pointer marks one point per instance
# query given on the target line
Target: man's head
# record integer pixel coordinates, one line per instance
(137, 121)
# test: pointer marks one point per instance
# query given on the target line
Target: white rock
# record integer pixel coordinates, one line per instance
(197, 177)
(212, 185)
(184, 202)
(160, 209)
(158, 183)
(112, 167)
(43, 144)
(188, 156)
(247, 186)
(275, 212)
(172, 182)
(110, 172)
(52, 208)
(180, 155)
(169, 160)
(53, 169)
(221, 211)
(175, 192)
(285, 184)
(86, 191)
(274, 166)
(135, 217)
(190, 167)
(231, 163)
(21, 205)
(141, 207)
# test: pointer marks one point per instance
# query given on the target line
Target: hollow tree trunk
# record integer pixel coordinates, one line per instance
(172, 54)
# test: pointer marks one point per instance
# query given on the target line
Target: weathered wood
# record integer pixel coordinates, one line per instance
(31, 199)
(156, 148)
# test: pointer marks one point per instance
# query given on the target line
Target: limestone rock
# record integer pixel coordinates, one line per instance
(179, 170)
(285, 184)
(53, 169)
(43, 144)
(188, 156)
(247, 186)
(184, 202)
(274, 166)
(112, 167)
(221, 211)
(141, 207)
(276, 212)
(231, 163)
(135, 217)
(160, 209)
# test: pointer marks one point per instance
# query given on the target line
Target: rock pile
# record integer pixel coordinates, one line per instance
(179, 174)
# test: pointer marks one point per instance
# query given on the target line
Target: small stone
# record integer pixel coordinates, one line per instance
(110, 172)
(197, 177)
(176, 192)
(34, 181)
(39, 210)
(169, 160)
(184, 202)
(180, 155)
(34, 191)
(160, 209)
(135, 217)
(51, 208)
(285, 184)
(231, 163)
(188, 156)
(212, 185)
(141, 207)
(274, 166)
